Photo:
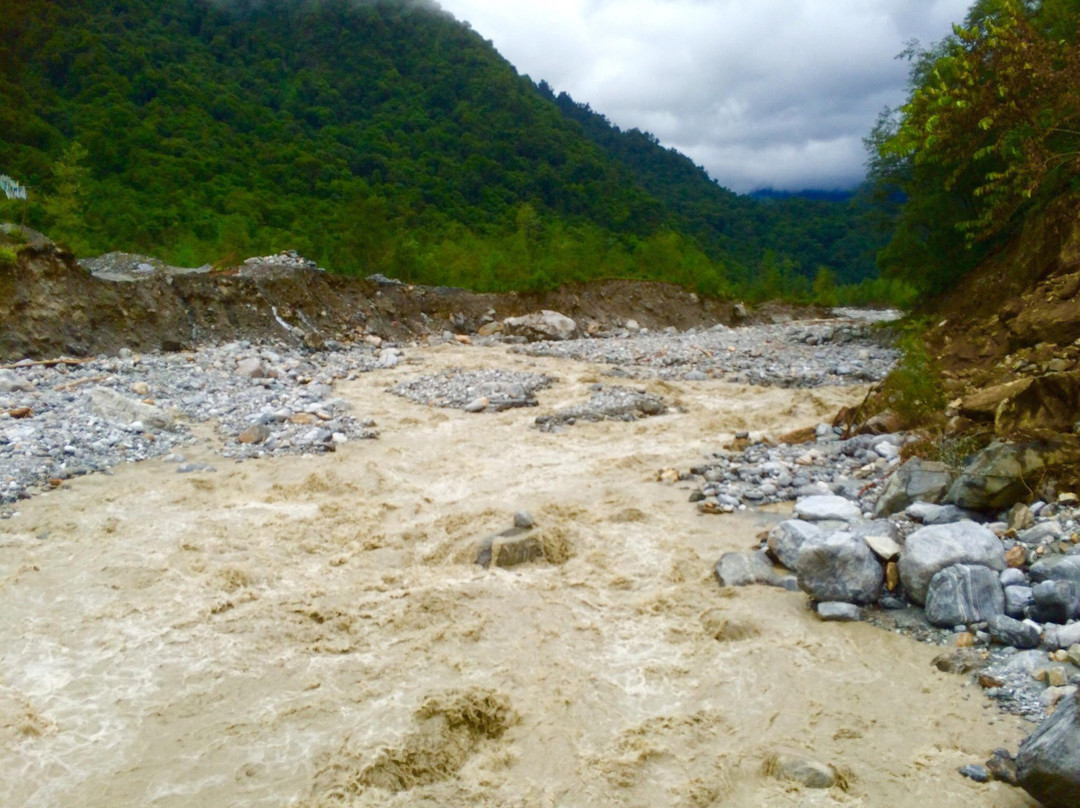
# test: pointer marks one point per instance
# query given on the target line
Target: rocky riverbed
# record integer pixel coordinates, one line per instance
(301, 618)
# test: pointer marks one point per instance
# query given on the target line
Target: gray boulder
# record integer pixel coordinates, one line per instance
(917, 480)
(745, 568)
(1048, 764)
(510, 548)
(825, 508)
(1057, 568)
(964, 594)
(1018, 599)
(1056, 601)
(541, 326)
(122, 411)
(931, 549)
(999, 476)
(1005, 630)
(839, 567)
(788, 537)
(930, 514)
(11, 383)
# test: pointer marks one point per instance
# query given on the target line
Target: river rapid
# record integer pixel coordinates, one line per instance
(315, 631)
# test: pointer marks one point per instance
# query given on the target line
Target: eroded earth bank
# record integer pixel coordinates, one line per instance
(312, 628)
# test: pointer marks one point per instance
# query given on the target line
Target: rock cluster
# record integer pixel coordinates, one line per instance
(762, 472)
(807, 354)
(606, 403)
(488, 390)
(63, 419)
(1010, 587)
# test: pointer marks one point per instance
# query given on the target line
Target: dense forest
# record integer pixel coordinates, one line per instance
(988, 143)
(375, 137)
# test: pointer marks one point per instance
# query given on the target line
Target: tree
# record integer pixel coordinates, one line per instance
(990, 132)
(66, 206)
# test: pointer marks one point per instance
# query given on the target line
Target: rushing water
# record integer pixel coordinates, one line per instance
(314, 630)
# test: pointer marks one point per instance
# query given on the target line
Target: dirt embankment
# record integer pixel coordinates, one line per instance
(50, 305)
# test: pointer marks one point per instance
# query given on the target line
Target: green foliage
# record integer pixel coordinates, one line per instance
(373, 137)
(990, 134)
(8, 255)
(913, 389)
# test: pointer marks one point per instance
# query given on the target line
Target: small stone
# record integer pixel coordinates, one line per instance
(838, 612)
(477, 404)
(524, 520)
(892, 576)
(1057, 677)
(140, 388)
(1020, 517)
(987, 682)
(1016, 556)
(256, 433)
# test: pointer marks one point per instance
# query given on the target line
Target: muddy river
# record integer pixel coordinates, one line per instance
(314, 630)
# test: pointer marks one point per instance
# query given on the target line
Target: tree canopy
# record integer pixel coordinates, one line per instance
(990, 135)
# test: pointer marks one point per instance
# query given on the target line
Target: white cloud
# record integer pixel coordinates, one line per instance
(765, 93)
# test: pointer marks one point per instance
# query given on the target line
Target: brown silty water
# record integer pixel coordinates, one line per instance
(314, 631)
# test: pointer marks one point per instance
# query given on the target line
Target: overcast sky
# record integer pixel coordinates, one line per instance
(762, 93)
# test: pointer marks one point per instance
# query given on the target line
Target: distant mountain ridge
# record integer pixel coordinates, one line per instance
(374, 137)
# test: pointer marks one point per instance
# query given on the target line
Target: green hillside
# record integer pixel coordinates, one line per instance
(372, 137)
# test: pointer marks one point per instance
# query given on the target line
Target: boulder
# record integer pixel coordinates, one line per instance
(799, 768)
(1048, 765)
(122, 411)
(916, 480)
(1018, 599)
(839, 567)
(964, 594)
(742, 569)
(788, 537)
(510, 548)
(929, 550)
(251, 368)
(826, 508)
(1048, 403)
(930, 514)
(1000, 475)
(983, 404)
(541, 326)
(1056, 601)
(1005, 630)
(1057, 568)
(11, 383)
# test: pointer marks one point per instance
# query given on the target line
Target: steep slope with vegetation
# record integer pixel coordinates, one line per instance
(373, 137)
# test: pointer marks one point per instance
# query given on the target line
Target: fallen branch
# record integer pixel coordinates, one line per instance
(63, 388)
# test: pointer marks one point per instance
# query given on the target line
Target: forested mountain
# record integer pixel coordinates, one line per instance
(373, 137)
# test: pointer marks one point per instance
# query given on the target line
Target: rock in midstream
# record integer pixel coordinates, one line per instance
(488, 390)
(606, 403)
